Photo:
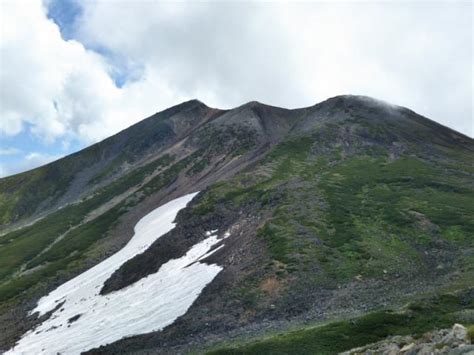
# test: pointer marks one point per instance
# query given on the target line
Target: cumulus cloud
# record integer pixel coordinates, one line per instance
(42, 77)
(61, 89)
(224, 53)
(413, 54)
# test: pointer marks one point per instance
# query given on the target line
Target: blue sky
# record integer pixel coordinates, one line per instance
(64, 13)
(26, 150)
(76, 72)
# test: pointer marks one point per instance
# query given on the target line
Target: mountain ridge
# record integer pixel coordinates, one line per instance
(345, 207)
(166, 130)
(245, 105)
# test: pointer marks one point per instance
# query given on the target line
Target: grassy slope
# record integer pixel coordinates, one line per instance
(34, 248)
(22, 195)
(27, 246)
(339, 216)
(416, 318)
(363, 214)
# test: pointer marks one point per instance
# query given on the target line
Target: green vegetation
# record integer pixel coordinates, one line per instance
(20, 193)
(470, 333)
(198, 167)
(338, 204)
(22, 245)
(416, 319)
(233, 139)
(131, 179)
(24, 194)
(373, 214)
(110, 169)
(80, 238)
(358, 213)
(278, 245)
(58, 242)
(386, 214)
(168, 176)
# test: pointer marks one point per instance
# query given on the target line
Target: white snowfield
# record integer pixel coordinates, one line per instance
(148, 305)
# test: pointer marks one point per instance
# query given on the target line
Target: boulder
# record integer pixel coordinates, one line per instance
(459, 331)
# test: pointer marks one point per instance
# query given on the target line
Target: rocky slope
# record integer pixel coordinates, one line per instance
(445, 341)
(349, 206)
(43, 189)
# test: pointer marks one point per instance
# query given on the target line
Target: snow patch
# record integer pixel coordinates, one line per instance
(87, 320)
(211, 232)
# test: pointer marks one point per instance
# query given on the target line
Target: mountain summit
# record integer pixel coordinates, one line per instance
(348, 209)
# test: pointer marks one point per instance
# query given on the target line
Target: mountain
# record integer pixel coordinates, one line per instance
(353, 211)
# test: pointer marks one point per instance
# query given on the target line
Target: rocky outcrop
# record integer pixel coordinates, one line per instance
(452, 341)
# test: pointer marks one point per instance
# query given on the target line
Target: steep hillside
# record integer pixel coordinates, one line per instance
(32, 193)
(346, 207)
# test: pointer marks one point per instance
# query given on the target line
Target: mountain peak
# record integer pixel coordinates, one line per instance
(347, 101)
(253, 104)
(192, 103)
(301, 202)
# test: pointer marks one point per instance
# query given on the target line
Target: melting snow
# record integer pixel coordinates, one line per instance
(211, 232)
(87, 320)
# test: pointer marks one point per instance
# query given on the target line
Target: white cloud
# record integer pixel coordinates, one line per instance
(59, 87)
(30, 161)
(415, 54)
(40, 72)
(9, 151)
